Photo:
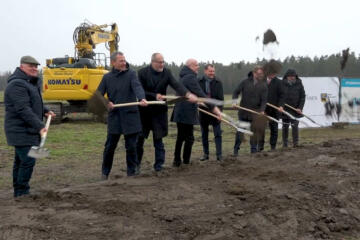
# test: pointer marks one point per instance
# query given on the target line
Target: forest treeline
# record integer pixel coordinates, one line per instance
(233, 73)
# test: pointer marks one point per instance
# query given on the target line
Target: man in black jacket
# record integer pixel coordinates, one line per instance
(121, 86)
(253, 92)
(155, 79)
(24, 111)
(186, 115)
(295, 97)
(213, 88)
(275, 97)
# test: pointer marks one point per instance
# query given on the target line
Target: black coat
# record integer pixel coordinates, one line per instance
(155, 117)
(294, 96)
(253, 96)
(187, 112)
(276, 96)
(216, 92)
(24, 110)
(122, 87)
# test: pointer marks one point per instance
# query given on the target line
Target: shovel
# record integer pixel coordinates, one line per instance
(212, 101)
(40, 151)
(229, 123)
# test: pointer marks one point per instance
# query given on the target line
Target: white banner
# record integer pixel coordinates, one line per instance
(318, 90)
(350, 100)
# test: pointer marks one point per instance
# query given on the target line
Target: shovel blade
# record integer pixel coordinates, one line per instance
(38, 152)
(97, 104)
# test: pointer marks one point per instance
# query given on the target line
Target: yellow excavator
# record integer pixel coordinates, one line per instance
(70, 81)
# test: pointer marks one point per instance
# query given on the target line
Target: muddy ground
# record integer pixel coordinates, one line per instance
(312, 192)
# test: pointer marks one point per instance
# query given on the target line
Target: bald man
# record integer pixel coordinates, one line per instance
(186, 115)
(155, 79)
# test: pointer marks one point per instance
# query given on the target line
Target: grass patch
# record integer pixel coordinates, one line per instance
(76, 149)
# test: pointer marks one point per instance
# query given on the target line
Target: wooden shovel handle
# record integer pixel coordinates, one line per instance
(170, 97)
(291, 107)
(43, 136)
(213, 115)
(273, 106)
(137, 103)
(247, 109)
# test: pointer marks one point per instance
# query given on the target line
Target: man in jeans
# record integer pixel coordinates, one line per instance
(24, 112)
(253, 91)
(213, 88)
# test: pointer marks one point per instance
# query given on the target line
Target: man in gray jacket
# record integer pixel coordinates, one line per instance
(24, 112)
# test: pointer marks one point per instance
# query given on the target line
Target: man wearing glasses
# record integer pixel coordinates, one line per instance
(155, 79)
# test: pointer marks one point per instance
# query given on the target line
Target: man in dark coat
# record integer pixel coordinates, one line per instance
(275, 97)
(24, 111)
(253, 92)
(121, 86)
(295, 97)
(155, 79)
(213, 88)
(186, 115)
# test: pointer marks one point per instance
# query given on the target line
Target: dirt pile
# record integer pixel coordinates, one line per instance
(311, 192)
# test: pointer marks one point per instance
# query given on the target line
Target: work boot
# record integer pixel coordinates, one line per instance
(204, 157)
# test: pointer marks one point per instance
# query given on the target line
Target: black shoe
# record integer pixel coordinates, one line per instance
(158, 169)
(186, 162)
(273, 148)
(204, 157)
(176, 164)
(219, 158)
(235, 154)
(135, 173)
(104, 177)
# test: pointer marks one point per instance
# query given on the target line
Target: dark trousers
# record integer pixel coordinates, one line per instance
(273, 126)
(185, 133)
(254, 140)
(109, 150)
(295, 131)
(22, 170)
(159, 151)
(205, 137)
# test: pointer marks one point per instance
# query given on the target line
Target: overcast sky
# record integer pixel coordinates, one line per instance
(223, 31)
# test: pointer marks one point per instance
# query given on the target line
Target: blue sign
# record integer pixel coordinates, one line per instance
(350, 82)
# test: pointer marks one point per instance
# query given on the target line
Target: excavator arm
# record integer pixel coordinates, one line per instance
(87, 36)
